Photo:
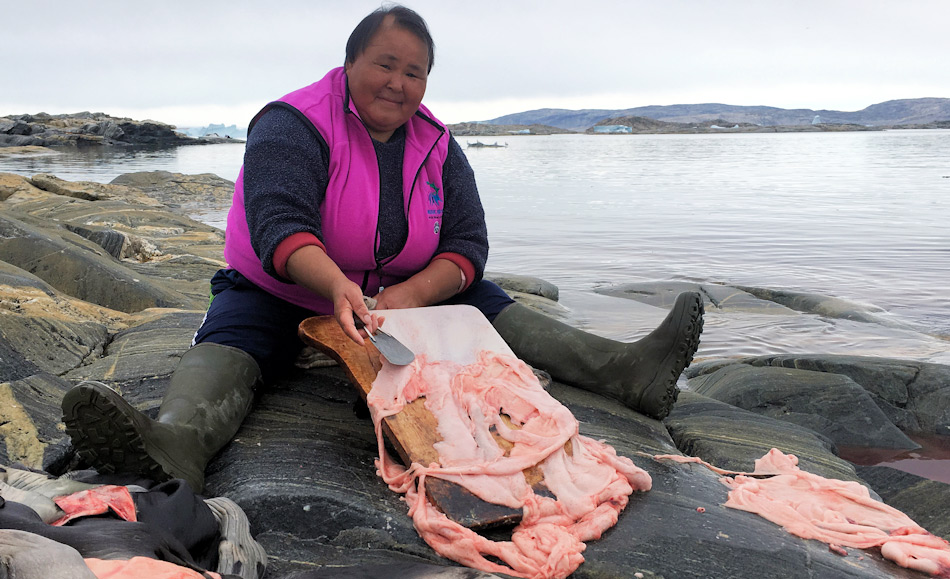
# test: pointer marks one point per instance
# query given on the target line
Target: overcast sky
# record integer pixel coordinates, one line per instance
(197, 62)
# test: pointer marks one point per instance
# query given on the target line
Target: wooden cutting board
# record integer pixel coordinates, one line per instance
(441, 332)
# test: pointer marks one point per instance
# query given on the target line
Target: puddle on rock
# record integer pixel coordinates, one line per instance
(931, 460)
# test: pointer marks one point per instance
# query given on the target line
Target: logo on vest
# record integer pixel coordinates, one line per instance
(435, 203)
(434, 197)
(436, 228)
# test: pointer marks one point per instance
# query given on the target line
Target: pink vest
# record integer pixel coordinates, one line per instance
(350, 209)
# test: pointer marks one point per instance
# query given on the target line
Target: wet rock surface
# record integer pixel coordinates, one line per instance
(302, 465)
(830, 404)
(913, 396)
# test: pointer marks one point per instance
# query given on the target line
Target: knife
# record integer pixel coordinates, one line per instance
(388, 346)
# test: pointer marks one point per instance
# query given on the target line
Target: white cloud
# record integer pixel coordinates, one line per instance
(177, 61)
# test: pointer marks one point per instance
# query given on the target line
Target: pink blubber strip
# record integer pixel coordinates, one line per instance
(840, 513)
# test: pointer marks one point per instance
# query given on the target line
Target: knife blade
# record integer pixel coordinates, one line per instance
(391, 348)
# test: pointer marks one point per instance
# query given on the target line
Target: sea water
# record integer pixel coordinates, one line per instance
(860, 216)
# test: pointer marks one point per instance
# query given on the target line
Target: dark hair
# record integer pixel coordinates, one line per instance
(403, 17)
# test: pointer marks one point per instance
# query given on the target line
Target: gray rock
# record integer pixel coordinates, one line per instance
(915, 396)
(92, 191)
(91, 128)
(542, 304)
(18, 185)
(715, 297)
(733, 438)
(50, 344)
(181, 191)
(22, 141)
(830, 307)
(115, 243)
(44, 331)
(530, 291)
(524, 284)
(831, 404)
(160, 247)
(70, 264)
(139, 360)
(29, 411)
(19, 128)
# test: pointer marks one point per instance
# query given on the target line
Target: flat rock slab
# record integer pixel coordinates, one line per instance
(915, 396)
(715, 297)
(831, 404)
(76, 266)
(29, 430)
(44, 330)
(752, 300)
(733, 438)
(182, 191)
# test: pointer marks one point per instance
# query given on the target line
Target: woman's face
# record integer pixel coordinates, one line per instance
(388, 80)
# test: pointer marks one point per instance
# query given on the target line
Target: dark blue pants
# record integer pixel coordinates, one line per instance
(244, 316)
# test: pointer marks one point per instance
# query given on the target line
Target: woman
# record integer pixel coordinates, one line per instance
(352, 188)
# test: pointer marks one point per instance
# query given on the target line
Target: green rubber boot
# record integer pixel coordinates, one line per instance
(209, 395)
(641, 374)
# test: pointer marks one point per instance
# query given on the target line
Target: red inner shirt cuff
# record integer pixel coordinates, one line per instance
(291, 244)
(468, 270)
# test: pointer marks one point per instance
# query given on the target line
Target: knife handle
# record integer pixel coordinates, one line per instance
(359, 323)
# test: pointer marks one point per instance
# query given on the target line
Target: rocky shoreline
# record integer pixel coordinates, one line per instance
(647, 126)
(109, 282)
(92, 129)
(99, 129)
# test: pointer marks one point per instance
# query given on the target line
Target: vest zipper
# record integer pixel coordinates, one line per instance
(380, 263)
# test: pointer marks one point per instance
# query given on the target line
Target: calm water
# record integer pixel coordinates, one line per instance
(859, 216)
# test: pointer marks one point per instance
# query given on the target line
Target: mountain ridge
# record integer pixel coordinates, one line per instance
(917, 111)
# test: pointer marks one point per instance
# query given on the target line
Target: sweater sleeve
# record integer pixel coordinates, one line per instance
(285, 181)
(464, 232)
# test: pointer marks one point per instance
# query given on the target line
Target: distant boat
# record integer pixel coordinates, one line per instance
(479, 145)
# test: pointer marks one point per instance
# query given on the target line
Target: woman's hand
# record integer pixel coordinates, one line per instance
(439, 281)
(312, 268)
(397, 297)
(347, 298)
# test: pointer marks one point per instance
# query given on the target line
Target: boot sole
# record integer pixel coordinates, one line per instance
(688, 305)
(104, 434)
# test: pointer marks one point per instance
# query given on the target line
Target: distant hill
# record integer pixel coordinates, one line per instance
(897, 112)
(643, 125)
